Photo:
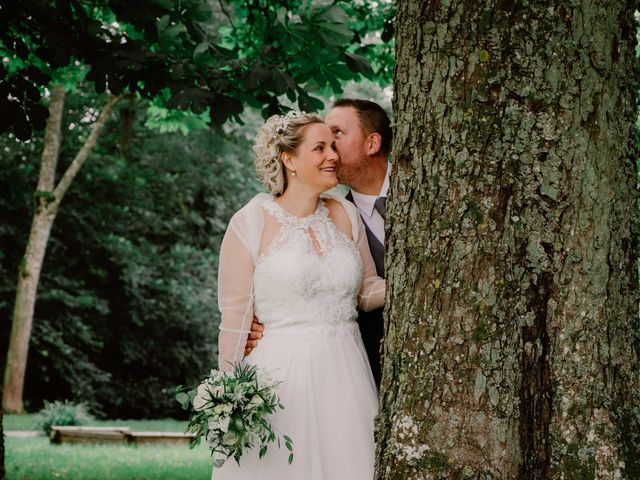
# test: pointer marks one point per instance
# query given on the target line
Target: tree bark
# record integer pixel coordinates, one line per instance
(512, 335)
(47, 202)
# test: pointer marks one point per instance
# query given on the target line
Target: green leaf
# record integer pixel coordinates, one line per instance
(173, 30)
(182, 398)
(357, 63)
(282, 16)
(200, 48)
(224, 107)
(341, 33)
(163, 22)
(341, 71)
(334, 14)
(290, 458)
(280, 82)
(307, 103)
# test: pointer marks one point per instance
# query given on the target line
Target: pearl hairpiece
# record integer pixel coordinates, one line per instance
(281, 124)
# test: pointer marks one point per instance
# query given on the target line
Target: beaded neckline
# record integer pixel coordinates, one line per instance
(282, 215)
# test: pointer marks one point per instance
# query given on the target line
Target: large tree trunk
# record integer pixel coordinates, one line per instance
(512, 335)
(47, 203)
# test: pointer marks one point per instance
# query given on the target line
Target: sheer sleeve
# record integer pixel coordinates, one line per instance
(371, 295)
(235, 296)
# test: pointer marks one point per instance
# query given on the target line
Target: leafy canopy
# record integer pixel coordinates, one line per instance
(215, 56)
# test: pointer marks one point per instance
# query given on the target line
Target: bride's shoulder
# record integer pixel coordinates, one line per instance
(343, 213)
(252, 207)
(340, 203)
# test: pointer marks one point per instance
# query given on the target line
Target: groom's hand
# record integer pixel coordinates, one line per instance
(255, 334)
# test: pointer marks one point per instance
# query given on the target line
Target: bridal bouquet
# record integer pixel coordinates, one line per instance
(230, 410)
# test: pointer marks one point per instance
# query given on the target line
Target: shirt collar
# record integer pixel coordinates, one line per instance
(365, 202)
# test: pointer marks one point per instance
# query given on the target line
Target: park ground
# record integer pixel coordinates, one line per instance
(34, 458)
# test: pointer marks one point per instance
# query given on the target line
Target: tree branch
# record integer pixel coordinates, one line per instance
(52, 137)
(78, 161)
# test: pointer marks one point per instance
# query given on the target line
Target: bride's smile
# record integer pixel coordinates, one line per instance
(312, 166)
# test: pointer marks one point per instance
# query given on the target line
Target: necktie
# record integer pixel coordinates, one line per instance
(381, 206)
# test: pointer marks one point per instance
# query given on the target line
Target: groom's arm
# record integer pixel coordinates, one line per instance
(255, 334)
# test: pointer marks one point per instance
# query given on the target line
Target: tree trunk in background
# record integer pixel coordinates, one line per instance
(29, 270)
(47, 202)
(512, 334)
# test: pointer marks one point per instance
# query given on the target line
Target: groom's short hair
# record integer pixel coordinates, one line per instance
(373, 119)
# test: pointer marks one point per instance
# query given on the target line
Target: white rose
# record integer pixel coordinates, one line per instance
(223, 408)
(230, 438)
(238, 392)
(202, 400)
(263, 379)
(224, 423)
(217, 391)
(220, 423)
(221, 377)
(256, 400)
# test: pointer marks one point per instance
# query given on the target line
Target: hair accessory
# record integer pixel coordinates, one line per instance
(281, 124)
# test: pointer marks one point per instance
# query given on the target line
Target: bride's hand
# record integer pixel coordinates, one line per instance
(255, 334)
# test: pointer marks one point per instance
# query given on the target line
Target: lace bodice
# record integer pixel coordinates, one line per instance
(306, 283)
(299, 290)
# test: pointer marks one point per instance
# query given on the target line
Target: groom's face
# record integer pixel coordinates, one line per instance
(349, 136)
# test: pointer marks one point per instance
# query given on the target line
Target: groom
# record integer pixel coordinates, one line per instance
(362, 133)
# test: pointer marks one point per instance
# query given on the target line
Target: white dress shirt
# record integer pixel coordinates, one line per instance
(370, 215)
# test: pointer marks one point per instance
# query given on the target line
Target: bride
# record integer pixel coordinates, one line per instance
(299, 260)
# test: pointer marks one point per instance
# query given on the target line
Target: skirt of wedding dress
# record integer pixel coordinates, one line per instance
(330, 403)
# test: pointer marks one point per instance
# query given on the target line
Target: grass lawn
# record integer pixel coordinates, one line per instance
(29, 422)
(36, 459)
(19, 422)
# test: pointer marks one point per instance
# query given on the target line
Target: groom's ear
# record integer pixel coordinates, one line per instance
(373, 143)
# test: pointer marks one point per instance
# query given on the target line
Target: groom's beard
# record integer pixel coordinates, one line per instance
(354, 175)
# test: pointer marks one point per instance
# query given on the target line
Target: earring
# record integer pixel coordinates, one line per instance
(293, 173)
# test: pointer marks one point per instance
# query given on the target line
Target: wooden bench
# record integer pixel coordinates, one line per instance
(115, 435)
(160, 437)
(74, 434)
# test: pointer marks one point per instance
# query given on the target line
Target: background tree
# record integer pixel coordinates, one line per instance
(512, 324)
(127, 306)
(47, 197)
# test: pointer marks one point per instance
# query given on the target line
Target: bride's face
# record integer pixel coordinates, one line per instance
(315, 161)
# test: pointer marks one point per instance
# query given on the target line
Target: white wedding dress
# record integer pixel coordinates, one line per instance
(304, 287)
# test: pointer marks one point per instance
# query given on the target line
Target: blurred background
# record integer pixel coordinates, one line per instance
(126, 304)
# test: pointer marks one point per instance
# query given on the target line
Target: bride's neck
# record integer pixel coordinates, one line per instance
(298, 202)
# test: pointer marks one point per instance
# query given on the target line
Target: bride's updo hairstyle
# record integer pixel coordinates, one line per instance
(280, 134)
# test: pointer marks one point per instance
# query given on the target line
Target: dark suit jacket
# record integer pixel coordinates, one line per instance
(371, 323)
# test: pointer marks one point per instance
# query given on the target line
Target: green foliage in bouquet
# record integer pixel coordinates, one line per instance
(231, 410)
